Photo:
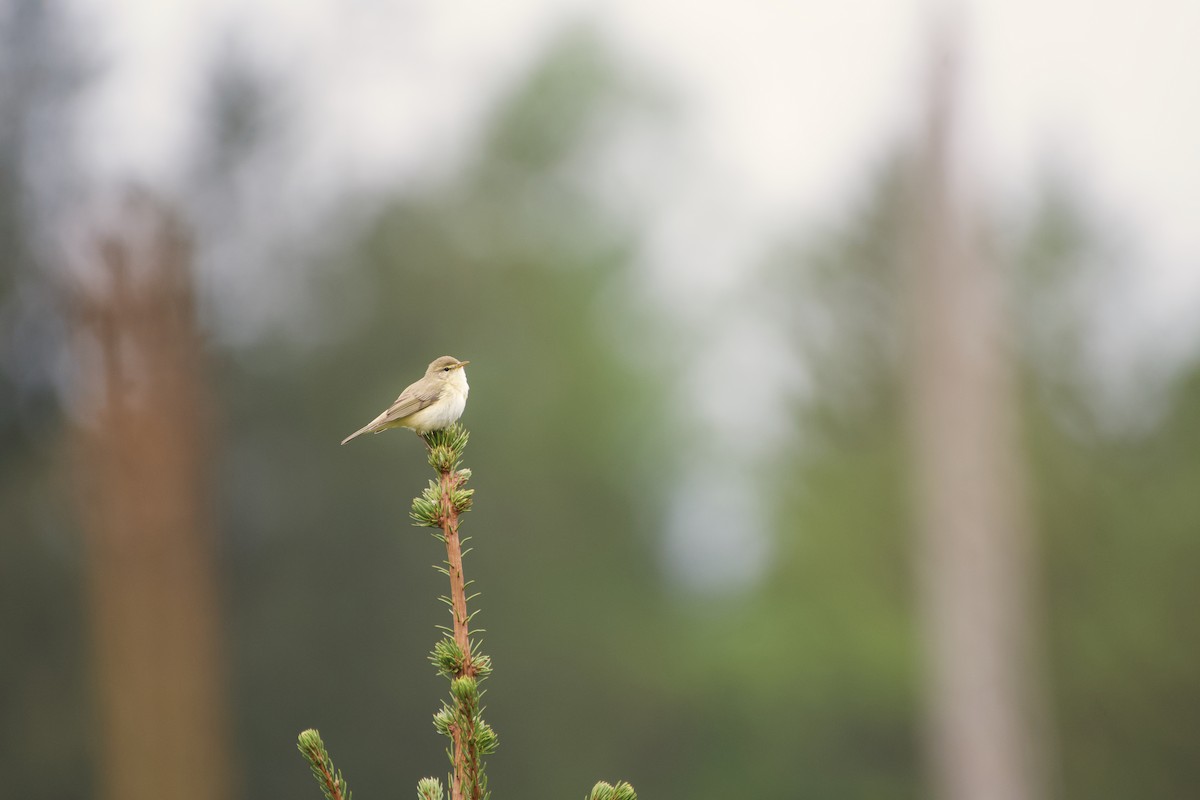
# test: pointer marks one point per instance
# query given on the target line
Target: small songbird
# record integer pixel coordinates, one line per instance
(430, 404)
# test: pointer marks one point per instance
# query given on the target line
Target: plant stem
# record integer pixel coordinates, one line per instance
(332, 787)
(466, 760)
(458, 591)
(327, 775)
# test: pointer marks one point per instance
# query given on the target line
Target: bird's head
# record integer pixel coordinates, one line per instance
(445, 368)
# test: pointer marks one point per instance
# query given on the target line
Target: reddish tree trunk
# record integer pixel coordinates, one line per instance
(143, 441)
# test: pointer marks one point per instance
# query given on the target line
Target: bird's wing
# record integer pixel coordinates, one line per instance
(410, 401)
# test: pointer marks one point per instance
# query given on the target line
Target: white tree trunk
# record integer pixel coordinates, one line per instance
(973, 554)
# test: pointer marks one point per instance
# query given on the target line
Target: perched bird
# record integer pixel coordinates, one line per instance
(430, 404)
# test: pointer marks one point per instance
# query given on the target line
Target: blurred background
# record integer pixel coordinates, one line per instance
(835, 394)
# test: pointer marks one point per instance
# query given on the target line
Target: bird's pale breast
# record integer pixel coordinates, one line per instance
(448, 408)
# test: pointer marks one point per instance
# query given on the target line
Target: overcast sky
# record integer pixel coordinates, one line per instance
(788, 104)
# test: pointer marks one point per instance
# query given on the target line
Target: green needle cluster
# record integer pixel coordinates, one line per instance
(433, 507)
(331, 780)
(606, 791)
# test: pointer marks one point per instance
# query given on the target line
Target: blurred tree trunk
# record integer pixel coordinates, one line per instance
(973, 546)
(143, 447)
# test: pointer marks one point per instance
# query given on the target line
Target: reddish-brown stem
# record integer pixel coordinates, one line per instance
(331, 784)
(464, 775)
(465, 763)
(458, 588)
(460, 765)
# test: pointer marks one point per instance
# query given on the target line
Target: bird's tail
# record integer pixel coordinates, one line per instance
(359, 432)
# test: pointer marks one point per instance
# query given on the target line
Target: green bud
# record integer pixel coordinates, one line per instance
(606, 791)
(465, 690)
(448, 657)
(443, 719)
(430, 789)
(461, 499)
(486, 739)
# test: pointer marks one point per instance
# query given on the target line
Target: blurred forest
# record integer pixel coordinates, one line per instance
(805, 681)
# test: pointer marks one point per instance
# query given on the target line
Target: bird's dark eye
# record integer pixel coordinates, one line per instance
(445, 369)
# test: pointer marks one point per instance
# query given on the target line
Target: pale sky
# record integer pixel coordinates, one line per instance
(787, 104)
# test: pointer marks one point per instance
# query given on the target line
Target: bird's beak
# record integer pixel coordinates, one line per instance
(462, 364)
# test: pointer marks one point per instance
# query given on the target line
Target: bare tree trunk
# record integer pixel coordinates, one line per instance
(143, 453)
(973, 547)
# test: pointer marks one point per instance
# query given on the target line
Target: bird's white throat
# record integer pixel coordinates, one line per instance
(458, 380)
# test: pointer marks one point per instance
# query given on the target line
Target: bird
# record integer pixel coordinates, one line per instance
(430, 404)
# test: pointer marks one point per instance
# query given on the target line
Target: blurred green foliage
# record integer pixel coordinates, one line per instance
(806, 683)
